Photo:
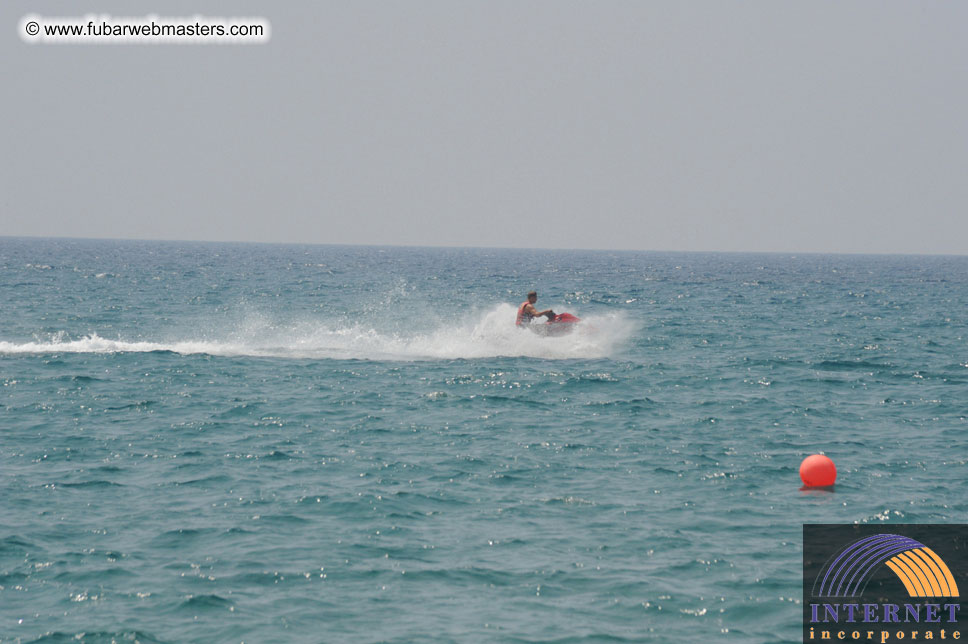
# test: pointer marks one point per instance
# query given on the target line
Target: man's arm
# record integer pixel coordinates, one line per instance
(534, 312)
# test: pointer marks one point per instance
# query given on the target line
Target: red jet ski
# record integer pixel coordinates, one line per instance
(560, 324)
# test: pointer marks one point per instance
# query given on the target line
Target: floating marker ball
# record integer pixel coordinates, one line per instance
(818, 471)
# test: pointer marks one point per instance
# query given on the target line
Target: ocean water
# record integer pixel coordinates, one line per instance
(262, 443)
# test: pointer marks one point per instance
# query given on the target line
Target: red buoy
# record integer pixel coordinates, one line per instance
(818, 471)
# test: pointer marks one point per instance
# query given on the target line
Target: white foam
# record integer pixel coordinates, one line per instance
(492, 335)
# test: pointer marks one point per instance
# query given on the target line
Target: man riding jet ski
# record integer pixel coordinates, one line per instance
(557, 324)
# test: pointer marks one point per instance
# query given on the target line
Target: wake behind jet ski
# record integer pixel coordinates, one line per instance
(557, 323)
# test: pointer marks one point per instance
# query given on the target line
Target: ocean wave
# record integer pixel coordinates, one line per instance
(493, 335)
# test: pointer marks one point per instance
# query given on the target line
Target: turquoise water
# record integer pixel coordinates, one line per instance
(226, 442)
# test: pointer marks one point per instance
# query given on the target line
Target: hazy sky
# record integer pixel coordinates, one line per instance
(668, 125)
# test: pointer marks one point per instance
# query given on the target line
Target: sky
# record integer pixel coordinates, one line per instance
(680, 125)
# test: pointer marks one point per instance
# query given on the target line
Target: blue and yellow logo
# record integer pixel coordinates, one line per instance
(919, 568)
(883, 586)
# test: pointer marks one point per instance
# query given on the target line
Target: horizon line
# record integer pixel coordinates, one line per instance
(469, 247)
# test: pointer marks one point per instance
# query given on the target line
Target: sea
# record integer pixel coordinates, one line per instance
(216, 442)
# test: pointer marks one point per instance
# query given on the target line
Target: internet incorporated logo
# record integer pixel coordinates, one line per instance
(862, 584)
